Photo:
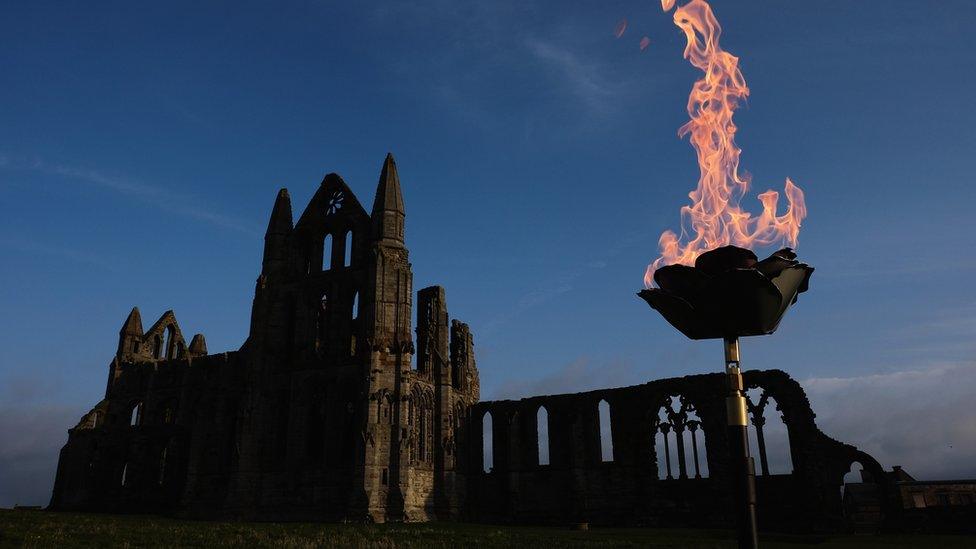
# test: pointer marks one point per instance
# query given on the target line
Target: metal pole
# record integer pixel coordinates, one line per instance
(743, 469)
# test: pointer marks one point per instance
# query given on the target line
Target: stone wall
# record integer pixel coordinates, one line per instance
(579, 485)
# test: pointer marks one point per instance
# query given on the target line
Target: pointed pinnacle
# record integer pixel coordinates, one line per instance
(281, 221)
(133, 323)
(389, 197)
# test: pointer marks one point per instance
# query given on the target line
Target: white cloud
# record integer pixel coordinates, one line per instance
(73, 254)
(160, 197)
(922, 419)
(585, 78)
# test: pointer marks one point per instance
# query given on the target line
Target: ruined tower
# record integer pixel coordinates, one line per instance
(323, 414)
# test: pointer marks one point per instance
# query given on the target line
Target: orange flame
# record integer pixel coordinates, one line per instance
(714, 216)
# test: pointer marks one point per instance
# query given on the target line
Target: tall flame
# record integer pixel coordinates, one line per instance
(714, 216)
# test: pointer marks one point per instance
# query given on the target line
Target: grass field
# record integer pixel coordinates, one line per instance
(42, 529)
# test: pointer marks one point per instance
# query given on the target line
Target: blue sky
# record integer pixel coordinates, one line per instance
(141, 147)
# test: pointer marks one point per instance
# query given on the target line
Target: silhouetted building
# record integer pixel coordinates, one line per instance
(329, 411)
(319, 415)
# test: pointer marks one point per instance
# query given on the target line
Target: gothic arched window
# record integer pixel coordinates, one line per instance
(676, 437)
(157, 350)
(327, 252)
(542, 434)
(487, 451)
(135, 416)
(606, 433)
(769, 441)
(168, 342)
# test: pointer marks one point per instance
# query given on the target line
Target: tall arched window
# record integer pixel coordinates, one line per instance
(135, 416)
(663, 446)
(769, 440)
(157, 350)
(542, 430)
(487, 451)
(355, 305)
(168, 342)
(606, 436)
(327, 253)
(412, 413)
(125, 475)
(853, 476)
(679, 440)
(347, 259)
(695, 445)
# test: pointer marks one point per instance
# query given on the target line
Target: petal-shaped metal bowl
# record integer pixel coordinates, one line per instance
(728, 293)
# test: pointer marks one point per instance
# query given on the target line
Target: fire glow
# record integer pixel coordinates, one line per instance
(714, 217)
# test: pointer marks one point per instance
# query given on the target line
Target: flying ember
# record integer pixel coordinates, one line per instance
(621, 28)
(714, 218)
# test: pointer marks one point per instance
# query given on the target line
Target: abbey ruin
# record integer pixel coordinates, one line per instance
(336, 408)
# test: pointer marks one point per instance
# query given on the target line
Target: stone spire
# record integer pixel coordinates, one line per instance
(130, 335)
(276, 238)
(133, 324)
(198, 345)
(281, 222)
(388, 213)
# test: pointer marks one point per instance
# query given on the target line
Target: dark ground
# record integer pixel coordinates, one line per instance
(42, 529)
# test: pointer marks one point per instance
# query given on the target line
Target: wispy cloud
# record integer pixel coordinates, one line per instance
(958, 320)
(161, 197)
(920, 418)
(73, 254)
(510, 65)
(936, 334)
(899, 268)
(560, 283)
(582, 374)
(585, 79)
